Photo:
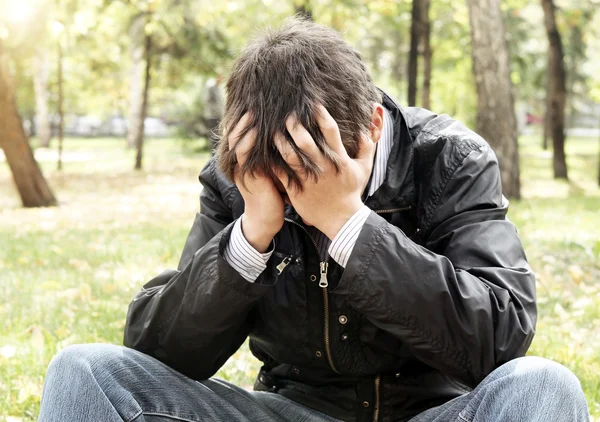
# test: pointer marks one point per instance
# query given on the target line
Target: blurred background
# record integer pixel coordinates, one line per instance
(106, 115)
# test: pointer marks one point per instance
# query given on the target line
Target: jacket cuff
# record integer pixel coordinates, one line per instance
(360, 258)
(229, 275)
(240, 254)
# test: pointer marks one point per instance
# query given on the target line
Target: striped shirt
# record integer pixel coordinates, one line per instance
(250, 263)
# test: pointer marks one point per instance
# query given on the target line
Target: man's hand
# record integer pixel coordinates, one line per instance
(263, 214)
(329, 202)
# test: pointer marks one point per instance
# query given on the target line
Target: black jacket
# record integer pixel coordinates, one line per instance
(437, 292)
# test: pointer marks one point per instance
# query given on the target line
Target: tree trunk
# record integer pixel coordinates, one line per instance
(28, 177)
(546, 123)
(496, 119)
(60, 105)
(136, 88)
(413, 55)
(557, 91)
(41, 74)
(304, 9)
(427, 53)
(139, 142)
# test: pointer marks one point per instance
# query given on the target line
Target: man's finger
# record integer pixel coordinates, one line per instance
(233, 136)
(244, 146)
(287, 152)
(302, 139)
(246, 143)
(330, 131)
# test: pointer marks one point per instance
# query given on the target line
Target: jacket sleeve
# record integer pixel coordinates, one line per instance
(194, 318)
(464, 302)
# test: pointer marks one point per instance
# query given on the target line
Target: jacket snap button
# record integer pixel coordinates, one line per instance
(344, 336)
(365, 404)
(318, 353)
(397, 374)
(313, 277)
(296, 371)
(343, 319)
(262, 379)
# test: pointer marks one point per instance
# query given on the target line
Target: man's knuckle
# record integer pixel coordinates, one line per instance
(304, 142)
(329, 126)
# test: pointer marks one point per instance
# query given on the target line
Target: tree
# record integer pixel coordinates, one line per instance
(136, 84)
(427, 53)
(303, 8)
(557, 91)
(413, 55)
(496, 120)
(59, 102)
(41, 76)
(27, 175)
(167, 34)
(139, 142)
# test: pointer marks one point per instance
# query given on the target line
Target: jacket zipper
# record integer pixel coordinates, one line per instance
(376, 409)
(323, 283)
(393, 210)
(286, 261)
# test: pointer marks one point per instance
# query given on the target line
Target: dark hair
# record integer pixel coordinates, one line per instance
(287, 71)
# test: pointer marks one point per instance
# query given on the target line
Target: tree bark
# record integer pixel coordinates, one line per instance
(496, 119)
(27, 175)
(427, 53)
(61, 116)
(557, 91)
(139, 142)
(136, 88)
(413, 55)
(41, 75)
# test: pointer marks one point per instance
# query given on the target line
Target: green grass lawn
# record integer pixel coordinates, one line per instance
(67, 274)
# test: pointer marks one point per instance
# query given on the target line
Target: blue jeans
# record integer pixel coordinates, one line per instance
(106, 383)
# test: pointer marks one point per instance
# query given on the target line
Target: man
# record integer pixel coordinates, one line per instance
(364, 249)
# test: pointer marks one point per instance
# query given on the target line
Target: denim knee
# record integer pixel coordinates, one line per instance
(544, 373)
(548, 381)
(83, 359)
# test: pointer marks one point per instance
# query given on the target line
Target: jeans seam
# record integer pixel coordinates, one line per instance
(177, 418)
(134, 416)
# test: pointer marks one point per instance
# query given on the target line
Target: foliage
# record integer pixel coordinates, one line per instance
(68, 274)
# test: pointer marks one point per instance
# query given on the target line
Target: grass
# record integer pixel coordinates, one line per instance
(67, 274)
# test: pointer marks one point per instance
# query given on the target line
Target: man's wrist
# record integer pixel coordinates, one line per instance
(332, 227)
(256, 235)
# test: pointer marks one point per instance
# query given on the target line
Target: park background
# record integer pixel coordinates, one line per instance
(96, 88)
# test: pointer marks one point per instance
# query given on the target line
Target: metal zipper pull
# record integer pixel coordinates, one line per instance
(283, 264)
(323, 281)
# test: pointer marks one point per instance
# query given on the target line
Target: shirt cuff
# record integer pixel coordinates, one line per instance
(343, 243)
(240, 254)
